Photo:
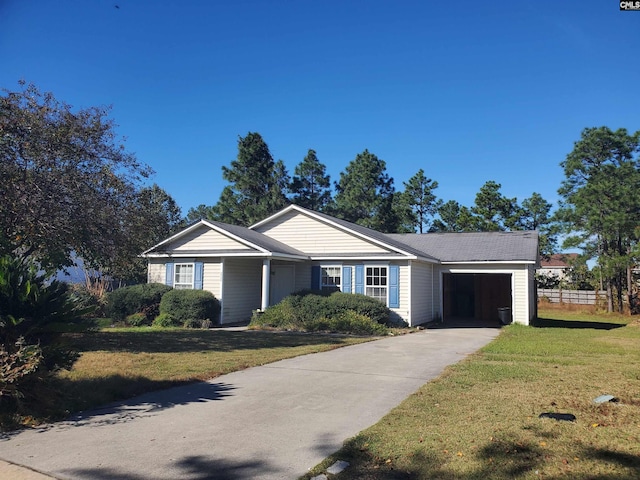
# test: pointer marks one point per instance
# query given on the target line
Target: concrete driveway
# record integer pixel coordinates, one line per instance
(269, 422)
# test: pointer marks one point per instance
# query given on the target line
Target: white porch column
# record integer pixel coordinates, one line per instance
(266, 276)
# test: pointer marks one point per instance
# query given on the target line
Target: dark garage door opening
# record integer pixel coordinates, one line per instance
(475, 295)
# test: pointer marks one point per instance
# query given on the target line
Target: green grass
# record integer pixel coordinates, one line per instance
(479, 420)
(119, 363)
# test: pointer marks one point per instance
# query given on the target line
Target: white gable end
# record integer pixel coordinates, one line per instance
(313, 236)
(205, 239)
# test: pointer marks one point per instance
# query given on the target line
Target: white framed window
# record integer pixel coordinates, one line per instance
(183, 276)
(376, 282)
(331, 278)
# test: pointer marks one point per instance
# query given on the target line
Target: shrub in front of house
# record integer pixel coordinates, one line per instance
(314, 311)
(183, 305)
(165, 320)
(143, 298)
(347, 322)
(367, 306)
(137, 320)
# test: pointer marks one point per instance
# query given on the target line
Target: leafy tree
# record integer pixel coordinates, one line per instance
(258, 184)
(311, 186)
(67, 184)
(601, 204)
(159, 214)
(419, 202)
(153, 216)
(365, 194)
(580, 277)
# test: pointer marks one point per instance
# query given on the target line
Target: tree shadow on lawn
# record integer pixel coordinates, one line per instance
(501, 459)
(551, 323)
(193, 468)
(173, 341)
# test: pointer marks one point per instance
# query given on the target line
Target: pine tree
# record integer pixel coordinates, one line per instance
(311, 186)
(257, 184)
(365, 194)
(418, 201)
(601, 204)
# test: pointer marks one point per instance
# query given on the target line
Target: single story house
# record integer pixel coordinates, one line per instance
(420, 277)
(557, 265)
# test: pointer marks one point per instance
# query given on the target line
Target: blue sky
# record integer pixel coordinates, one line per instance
(469, 91)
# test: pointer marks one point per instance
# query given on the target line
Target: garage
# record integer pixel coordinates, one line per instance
(476, 295)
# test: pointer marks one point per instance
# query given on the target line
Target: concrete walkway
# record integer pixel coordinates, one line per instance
(269, 422)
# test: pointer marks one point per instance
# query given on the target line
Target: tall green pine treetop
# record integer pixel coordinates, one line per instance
(365, 194)
(311, 186)
(258, 184)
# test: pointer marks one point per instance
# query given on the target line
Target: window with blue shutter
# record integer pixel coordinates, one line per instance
(169, 274)
(346, 279)
(394, 286)
(360, 279)
(315, 277)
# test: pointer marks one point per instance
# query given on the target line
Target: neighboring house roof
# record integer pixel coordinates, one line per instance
(257, 242)
(558, 260)
(520, 246)
(357, 230)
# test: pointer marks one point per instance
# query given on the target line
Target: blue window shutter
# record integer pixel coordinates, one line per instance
(198, 273)
(169, 275)
(346, 279)
(315, 277)
(394, 286)
(360, 279)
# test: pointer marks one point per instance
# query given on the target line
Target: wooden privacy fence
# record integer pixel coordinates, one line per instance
(581, 297)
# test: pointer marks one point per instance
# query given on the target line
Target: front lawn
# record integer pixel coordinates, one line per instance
(479, 420)
(120, 363)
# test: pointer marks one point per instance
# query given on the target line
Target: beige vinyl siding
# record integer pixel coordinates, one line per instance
(531, 285)
(422, 307)
(520, 301)
(302, 273)
(313, 236)
(204, 238)
(435, 295)
(405, 309)
(242, 289)
(211, 277)
(156, 271)
(303, 276)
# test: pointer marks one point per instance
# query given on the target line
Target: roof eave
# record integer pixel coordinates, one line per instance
(274, 255)
(488, 262)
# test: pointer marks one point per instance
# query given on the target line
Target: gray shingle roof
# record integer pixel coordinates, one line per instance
(519, 246)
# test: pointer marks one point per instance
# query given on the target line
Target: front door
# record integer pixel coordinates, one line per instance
(282, 282)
